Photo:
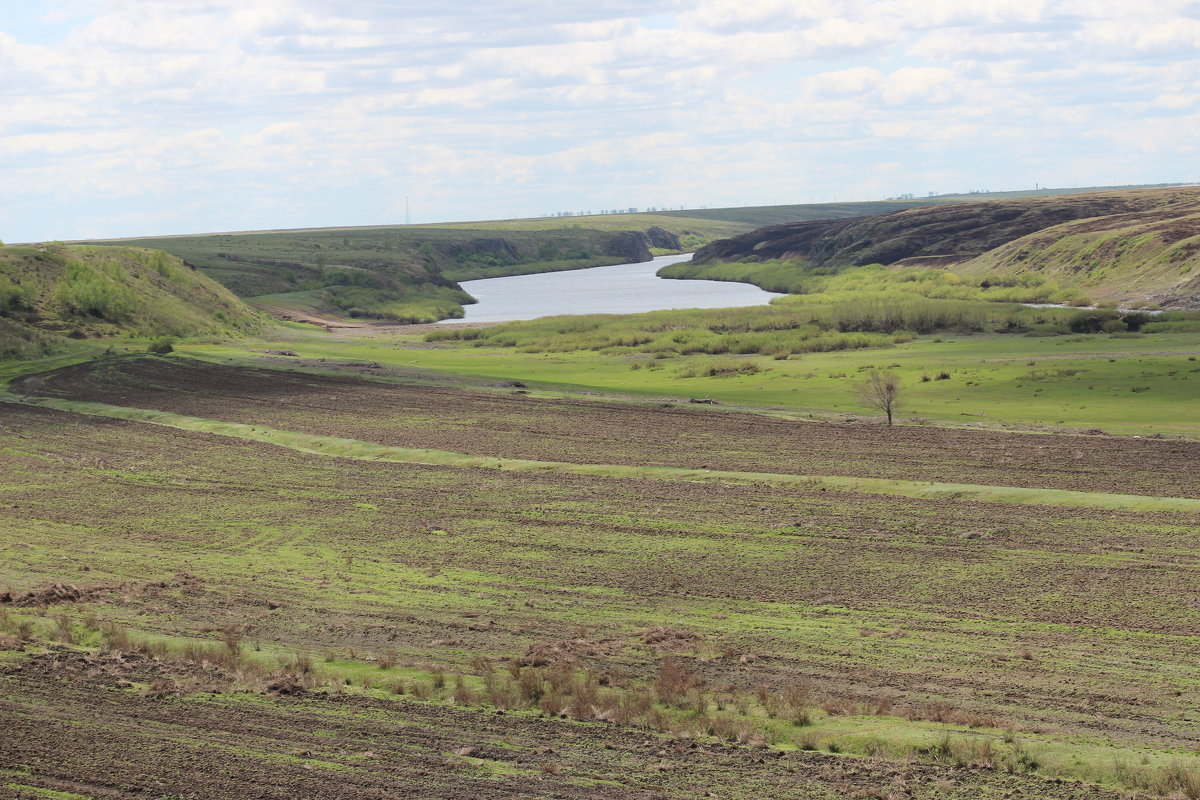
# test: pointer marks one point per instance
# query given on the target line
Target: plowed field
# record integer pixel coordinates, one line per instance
(1073, 630)
(74, 728)
(514, 426)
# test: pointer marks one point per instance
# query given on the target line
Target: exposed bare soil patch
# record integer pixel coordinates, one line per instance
(76, 728)
(915, 600)
(516, 426)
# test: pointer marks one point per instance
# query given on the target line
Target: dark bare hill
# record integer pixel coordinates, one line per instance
(1133, 247)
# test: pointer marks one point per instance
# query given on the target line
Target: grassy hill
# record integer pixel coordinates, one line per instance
(79, 292)
(410, 273)
(760, 216)
(396, 273)
(1128, 247)
(1143, 257)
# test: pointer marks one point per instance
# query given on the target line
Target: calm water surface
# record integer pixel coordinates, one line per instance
(619, 289)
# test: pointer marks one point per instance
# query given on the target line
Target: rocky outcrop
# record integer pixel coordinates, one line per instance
(662, 238)
(632, 246)
(493, 245)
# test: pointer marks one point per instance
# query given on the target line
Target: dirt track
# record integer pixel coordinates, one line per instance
(298, 315)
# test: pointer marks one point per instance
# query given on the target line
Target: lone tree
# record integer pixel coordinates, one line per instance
(881, 389)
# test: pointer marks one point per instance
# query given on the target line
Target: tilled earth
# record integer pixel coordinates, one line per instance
(914, 600)
(1059, 621)
(501, 423)
(75, 724)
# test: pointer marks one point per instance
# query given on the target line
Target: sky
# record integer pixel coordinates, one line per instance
(141, 117)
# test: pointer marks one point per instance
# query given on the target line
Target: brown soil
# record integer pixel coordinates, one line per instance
(664, 638)
(920, 602)
(516, 426)
(958, 587)
(72, 727)
(59, 593)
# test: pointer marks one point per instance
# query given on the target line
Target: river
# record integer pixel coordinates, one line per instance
(619, 289)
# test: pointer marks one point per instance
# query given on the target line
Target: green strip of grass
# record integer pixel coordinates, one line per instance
(368, 451)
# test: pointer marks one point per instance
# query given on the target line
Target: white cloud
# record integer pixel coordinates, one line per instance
(271, 113)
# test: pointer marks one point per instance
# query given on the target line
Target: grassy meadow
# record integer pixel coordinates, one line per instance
(966, 354)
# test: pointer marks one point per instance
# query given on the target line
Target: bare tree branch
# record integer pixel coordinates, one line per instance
(881, 390)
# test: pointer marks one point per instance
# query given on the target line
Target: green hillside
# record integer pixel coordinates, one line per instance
(396, 273)
(1134, 247)
(79, 292)
(760, 216)
(410, 273)
(1141, 258)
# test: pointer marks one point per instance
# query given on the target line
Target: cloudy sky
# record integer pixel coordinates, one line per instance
(128, 117)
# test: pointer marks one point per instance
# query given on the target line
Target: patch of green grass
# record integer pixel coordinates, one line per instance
(52, 794)
(991, 378)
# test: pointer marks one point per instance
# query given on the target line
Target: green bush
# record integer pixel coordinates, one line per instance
(95, 290)
(1115, 326)
(1091, 321)
(161, 346)
(1136, 319)
(14, 296)
(1172, 326)
(721, 369)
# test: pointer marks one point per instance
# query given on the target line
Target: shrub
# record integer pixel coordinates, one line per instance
(96, 291)
(722, 369)
(1092, 321)
(15, 296)
(463, 695)
(674, 681)
(161, 346)
(1115, 326)
(1135, 320)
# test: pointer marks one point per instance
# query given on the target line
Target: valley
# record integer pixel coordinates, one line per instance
(659, 555)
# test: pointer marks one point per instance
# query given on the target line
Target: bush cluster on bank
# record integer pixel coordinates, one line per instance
(858, 307)
(806, 324)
